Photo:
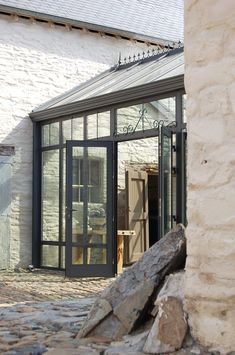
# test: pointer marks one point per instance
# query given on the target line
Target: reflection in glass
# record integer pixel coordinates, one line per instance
(77, 235)
(50, 195)
(50, 134)
(62, 261)
(77, 255)
(167, 182)
(77, 193)
(67, 130)
(98, 125)
(63, 203)
(77, 128)
(96, 256)
(145, 116)
(98, 230)
(50, 256)
(96, 175)
(89, 188)
(173, 189)
(45, 135)
(184, 98)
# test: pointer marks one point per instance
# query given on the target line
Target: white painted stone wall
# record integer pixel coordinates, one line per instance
(39, 62)
(210, 87)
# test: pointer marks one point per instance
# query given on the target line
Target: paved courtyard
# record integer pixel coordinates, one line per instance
(42, 311)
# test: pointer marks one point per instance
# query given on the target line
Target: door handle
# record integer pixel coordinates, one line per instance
(69, 212)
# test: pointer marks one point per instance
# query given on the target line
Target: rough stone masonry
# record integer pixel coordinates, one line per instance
(210, 87)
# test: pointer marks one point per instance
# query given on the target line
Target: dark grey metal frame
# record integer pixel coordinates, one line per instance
(108, 269)
(161, 182)
(145, 93)
(123, 97)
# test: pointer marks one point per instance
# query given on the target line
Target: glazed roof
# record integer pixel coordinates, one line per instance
(121, 78)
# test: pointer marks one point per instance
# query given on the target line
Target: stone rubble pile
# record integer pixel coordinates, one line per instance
(142, 310)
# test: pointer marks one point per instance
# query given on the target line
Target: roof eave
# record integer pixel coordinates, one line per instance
(139, 92)
(89, 26)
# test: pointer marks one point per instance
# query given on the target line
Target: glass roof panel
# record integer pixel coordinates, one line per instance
(128, 75)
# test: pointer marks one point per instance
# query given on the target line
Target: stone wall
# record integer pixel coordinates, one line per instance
(6, 153)
(39, 62)
(209, 80)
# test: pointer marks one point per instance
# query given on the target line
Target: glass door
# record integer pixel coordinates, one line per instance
(165, 181)
(90, 242)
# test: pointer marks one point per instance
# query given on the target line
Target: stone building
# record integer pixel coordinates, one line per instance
(47, 48)
(209, 82)
(45, 52)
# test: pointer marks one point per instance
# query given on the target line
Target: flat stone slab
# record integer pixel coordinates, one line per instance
(128, 311)
(99, 311)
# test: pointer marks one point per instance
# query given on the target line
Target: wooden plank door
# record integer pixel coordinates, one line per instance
(137, 214)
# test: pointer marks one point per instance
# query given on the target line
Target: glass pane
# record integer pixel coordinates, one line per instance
(54, 133)
(89, 188)
(92, 126)
(77, 255)
(98, 125)
(77, 236)
(50, 195)
(45, 136)
(104, 124)
(184, 98)
(77, 128)
(167, 182)
(174, 198)
(77, 194)
(173, 152)
(50, 255)
(97, 193)
(145, 116)
(96, 256)
(62, 257)
(164, 110)
(98, 235)
(50, 134)
(64, 196)
(67, 130)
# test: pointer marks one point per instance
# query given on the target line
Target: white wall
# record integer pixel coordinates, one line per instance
(37, 63)
(209, 80)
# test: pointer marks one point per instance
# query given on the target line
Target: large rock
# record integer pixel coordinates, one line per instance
(130, 344)
(110, 328)
(100, 309)
(173, 286)
(169, 329)
(130, 293)
(170, 326)
(128, 311)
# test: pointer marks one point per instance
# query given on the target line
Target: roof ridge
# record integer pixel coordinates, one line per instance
(149, 55)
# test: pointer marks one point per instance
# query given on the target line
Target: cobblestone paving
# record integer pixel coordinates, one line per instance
(47, 285)
(42, 311)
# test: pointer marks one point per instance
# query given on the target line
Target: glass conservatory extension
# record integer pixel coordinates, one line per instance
(110, 155)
